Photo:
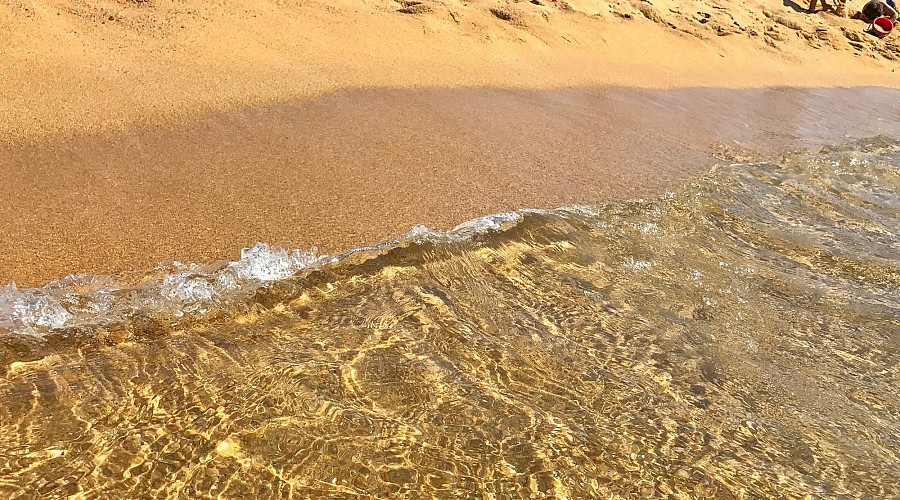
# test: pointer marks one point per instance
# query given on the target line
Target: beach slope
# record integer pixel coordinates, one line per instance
(133, 132)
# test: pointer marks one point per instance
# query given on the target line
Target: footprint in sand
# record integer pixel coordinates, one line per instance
(414, 7)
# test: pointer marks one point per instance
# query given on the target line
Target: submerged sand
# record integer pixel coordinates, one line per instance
(359, 167)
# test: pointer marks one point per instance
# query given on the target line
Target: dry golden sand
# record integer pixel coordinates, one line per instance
(135, 132)
(95, 65)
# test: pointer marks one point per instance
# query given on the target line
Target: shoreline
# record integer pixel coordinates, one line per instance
(359, 167)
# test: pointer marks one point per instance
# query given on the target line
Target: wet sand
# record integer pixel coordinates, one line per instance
(358, 167)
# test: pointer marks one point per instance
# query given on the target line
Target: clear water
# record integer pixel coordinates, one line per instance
(739, 338)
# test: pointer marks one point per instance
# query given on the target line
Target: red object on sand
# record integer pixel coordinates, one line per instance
(881, 26)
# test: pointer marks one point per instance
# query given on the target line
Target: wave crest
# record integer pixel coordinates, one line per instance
(82, 300)
(179, 290)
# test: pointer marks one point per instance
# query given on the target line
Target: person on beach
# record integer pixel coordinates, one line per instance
(877, 8)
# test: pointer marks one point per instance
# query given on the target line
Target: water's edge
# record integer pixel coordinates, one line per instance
(737, 338)
(174, 290)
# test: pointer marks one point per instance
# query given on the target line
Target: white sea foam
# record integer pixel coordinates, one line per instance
(187, 289)
(30, 310)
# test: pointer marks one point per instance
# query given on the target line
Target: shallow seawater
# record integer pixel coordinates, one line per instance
(739, 338)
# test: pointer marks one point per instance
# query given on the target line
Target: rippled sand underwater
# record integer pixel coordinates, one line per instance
(740, 338)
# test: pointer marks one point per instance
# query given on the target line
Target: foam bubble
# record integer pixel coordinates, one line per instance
(186, 289)
(29, 311)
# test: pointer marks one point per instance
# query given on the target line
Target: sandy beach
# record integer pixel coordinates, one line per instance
(662, 255)
(138, 132)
